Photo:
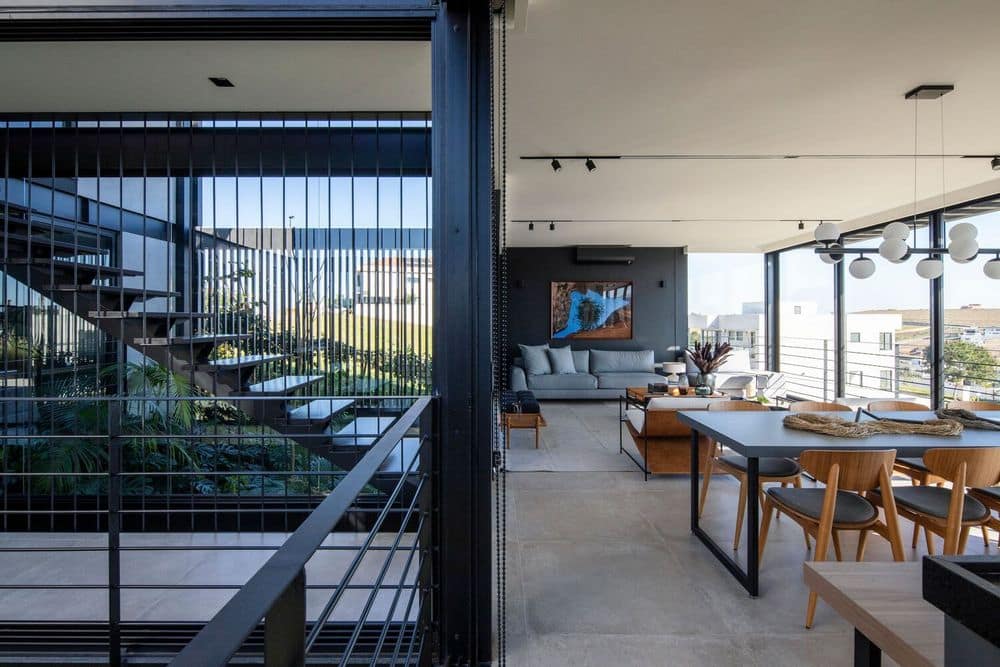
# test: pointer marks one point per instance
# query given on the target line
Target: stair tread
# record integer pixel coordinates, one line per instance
(149, 315)
(241, 361)
(283, 385)
(83, 267)
(111, 290)
(46, 242)
(321, 409)
(199, 339)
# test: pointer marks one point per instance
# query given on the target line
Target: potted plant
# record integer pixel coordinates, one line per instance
(708, 358)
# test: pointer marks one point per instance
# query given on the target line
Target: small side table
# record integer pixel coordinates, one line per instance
(513, 420)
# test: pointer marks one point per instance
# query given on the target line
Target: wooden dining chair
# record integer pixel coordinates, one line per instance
(824, 512)
(974, 406)
(989, 496)
(950, 513)
(896, 406)
(911, 466)
(782, 470)
(819, 406)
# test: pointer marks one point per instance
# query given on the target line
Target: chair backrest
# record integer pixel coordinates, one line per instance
(737, 406)
(859, 469)
(896, 406)
(819, 406)
(975, 406)
(982, 464)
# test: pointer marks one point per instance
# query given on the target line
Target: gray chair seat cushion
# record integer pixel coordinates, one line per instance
(991, 492)
(562, 381)
(623, 380)
(934, 500)
(916, 463)
(768, 467)
(850, 509)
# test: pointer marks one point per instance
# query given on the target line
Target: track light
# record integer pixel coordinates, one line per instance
(995, 163)
(590, 165)
(531, 226)
(802, 225)
(552, 226)
(556, 165)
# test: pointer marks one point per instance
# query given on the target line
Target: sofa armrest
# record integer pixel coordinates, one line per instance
(518, 381)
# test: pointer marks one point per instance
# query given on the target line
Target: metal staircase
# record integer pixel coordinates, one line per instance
(72, 272)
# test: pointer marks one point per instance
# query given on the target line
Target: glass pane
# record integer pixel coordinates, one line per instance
(805, 326)
(972, 318)
(726, 304)
(887, 326)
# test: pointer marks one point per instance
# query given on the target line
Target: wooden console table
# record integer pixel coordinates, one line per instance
(885, 604)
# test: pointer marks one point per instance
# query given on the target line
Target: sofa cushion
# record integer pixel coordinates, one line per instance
(536, 359)
(623, 380)
(563, 381)
(561, 360)
(581, 360)
(681, 402)
(621, 361)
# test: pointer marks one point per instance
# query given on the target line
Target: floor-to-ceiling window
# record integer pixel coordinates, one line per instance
(726, 304)
(806, 325)
(887, 323)
(972, 312)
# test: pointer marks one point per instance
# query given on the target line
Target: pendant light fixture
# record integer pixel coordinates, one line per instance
(895, 246)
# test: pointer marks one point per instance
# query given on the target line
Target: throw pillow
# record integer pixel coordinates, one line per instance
(536, 359)
(561, 360)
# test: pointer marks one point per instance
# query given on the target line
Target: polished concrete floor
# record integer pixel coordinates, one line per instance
(188, 561)
(602, 569)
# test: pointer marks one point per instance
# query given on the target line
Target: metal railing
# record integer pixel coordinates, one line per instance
(377, 505)
(808, 367)
(276, 594)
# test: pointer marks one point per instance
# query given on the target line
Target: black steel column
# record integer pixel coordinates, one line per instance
(461, 208)
(839, 331)
(772, 296)
(936, 350)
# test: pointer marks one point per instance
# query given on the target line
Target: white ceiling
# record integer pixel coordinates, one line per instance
(762, 77)
(173, 76)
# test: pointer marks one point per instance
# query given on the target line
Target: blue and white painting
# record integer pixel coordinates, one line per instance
(600, 310)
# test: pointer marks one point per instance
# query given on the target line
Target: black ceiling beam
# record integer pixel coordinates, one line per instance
(381, 20)
(201, 151)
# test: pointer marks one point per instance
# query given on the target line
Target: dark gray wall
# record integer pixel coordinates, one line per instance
(659, 314)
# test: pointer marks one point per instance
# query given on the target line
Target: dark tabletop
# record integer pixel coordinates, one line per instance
(757, 434)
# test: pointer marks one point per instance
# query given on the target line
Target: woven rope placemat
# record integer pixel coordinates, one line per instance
(842, 428)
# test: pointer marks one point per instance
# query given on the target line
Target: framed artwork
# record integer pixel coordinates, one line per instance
(593, 309)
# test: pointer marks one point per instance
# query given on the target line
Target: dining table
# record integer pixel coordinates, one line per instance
(757, 435)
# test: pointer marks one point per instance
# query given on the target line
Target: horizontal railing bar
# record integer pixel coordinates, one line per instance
(190, 547)
(376, 400)
(228, 629)
(193, 587)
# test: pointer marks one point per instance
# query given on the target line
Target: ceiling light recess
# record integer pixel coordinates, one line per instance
(221, 82)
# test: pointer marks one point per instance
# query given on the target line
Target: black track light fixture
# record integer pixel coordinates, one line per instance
(591, 166)
(531, 226)
(552, 226)
(802, 225)
(556, 165)
(995, 163)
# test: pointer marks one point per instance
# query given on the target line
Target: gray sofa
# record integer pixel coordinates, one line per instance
(599, 374)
